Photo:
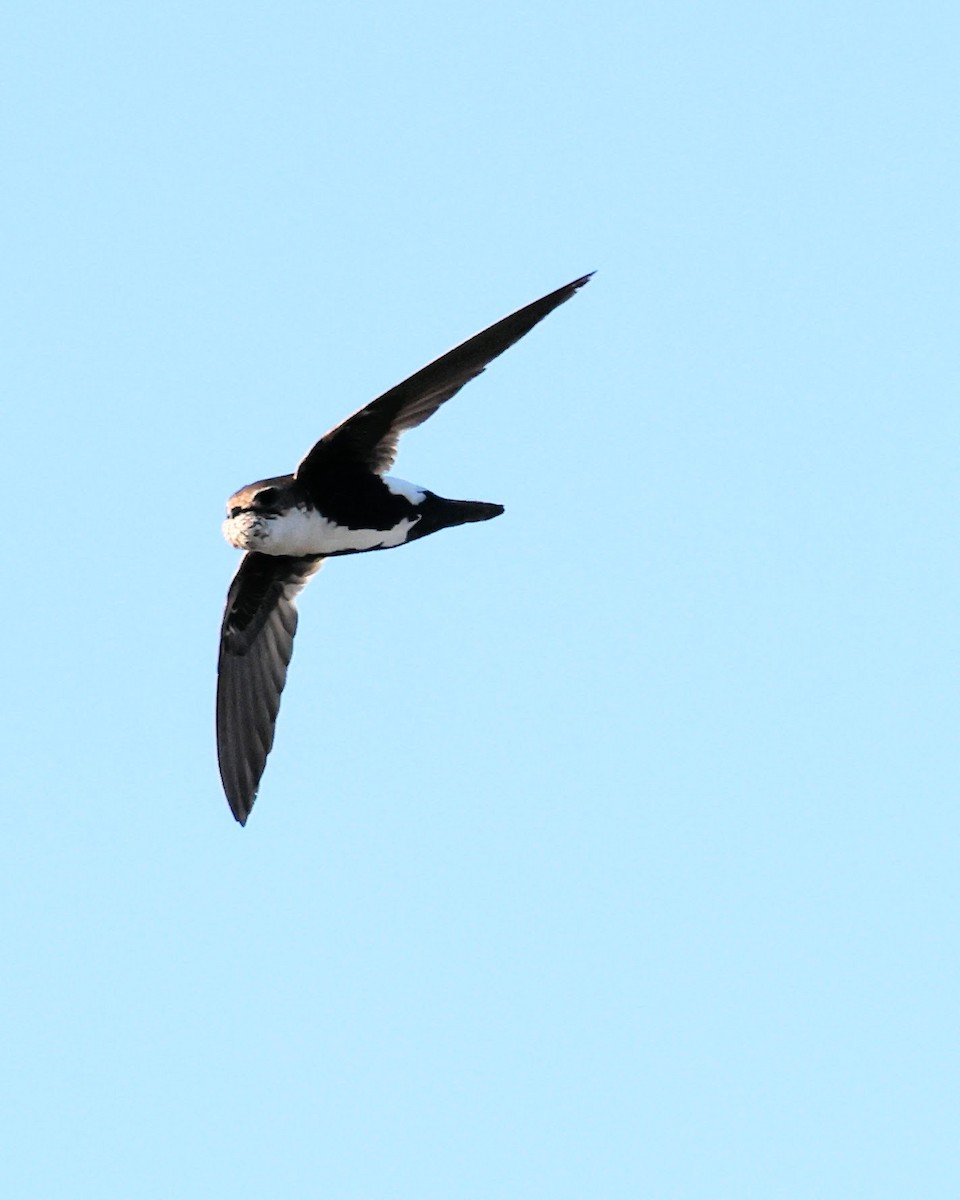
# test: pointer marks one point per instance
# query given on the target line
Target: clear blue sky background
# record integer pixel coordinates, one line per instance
(609, 849)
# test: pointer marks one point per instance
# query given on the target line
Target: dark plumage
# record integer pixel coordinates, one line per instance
(338, 501)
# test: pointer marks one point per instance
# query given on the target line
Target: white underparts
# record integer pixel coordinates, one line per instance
(305, 531)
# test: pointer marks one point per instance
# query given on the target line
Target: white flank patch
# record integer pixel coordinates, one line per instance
(400, 487)
(303, 531)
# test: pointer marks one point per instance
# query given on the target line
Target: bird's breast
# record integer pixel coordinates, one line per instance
(303, 530)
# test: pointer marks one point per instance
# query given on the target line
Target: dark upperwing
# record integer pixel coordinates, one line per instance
(369, 437)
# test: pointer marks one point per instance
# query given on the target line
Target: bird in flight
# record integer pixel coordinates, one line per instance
(338, 501)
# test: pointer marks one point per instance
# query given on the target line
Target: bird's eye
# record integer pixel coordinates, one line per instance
(235, 511)
(266, 496)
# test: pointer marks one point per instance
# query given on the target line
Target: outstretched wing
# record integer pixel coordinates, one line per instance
(369, 437)
(256, 641)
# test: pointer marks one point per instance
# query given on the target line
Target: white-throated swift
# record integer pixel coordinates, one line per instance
(338, 501)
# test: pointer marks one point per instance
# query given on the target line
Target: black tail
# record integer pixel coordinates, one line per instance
(437, 513)
(459, 512)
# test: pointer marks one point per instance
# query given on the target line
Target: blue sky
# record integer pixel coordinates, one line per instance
(607, 849)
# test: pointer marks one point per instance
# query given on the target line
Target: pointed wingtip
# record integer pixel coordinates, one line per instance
(546, 304)
(242, 808)
(569, 289)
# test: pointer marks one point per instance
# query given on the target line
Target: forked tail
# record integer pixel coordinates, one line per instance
(438, 513)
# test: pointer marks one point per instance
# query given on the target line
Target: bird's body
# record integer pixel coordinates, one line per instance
(296, 522)
(338, 501)
(375, 512)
